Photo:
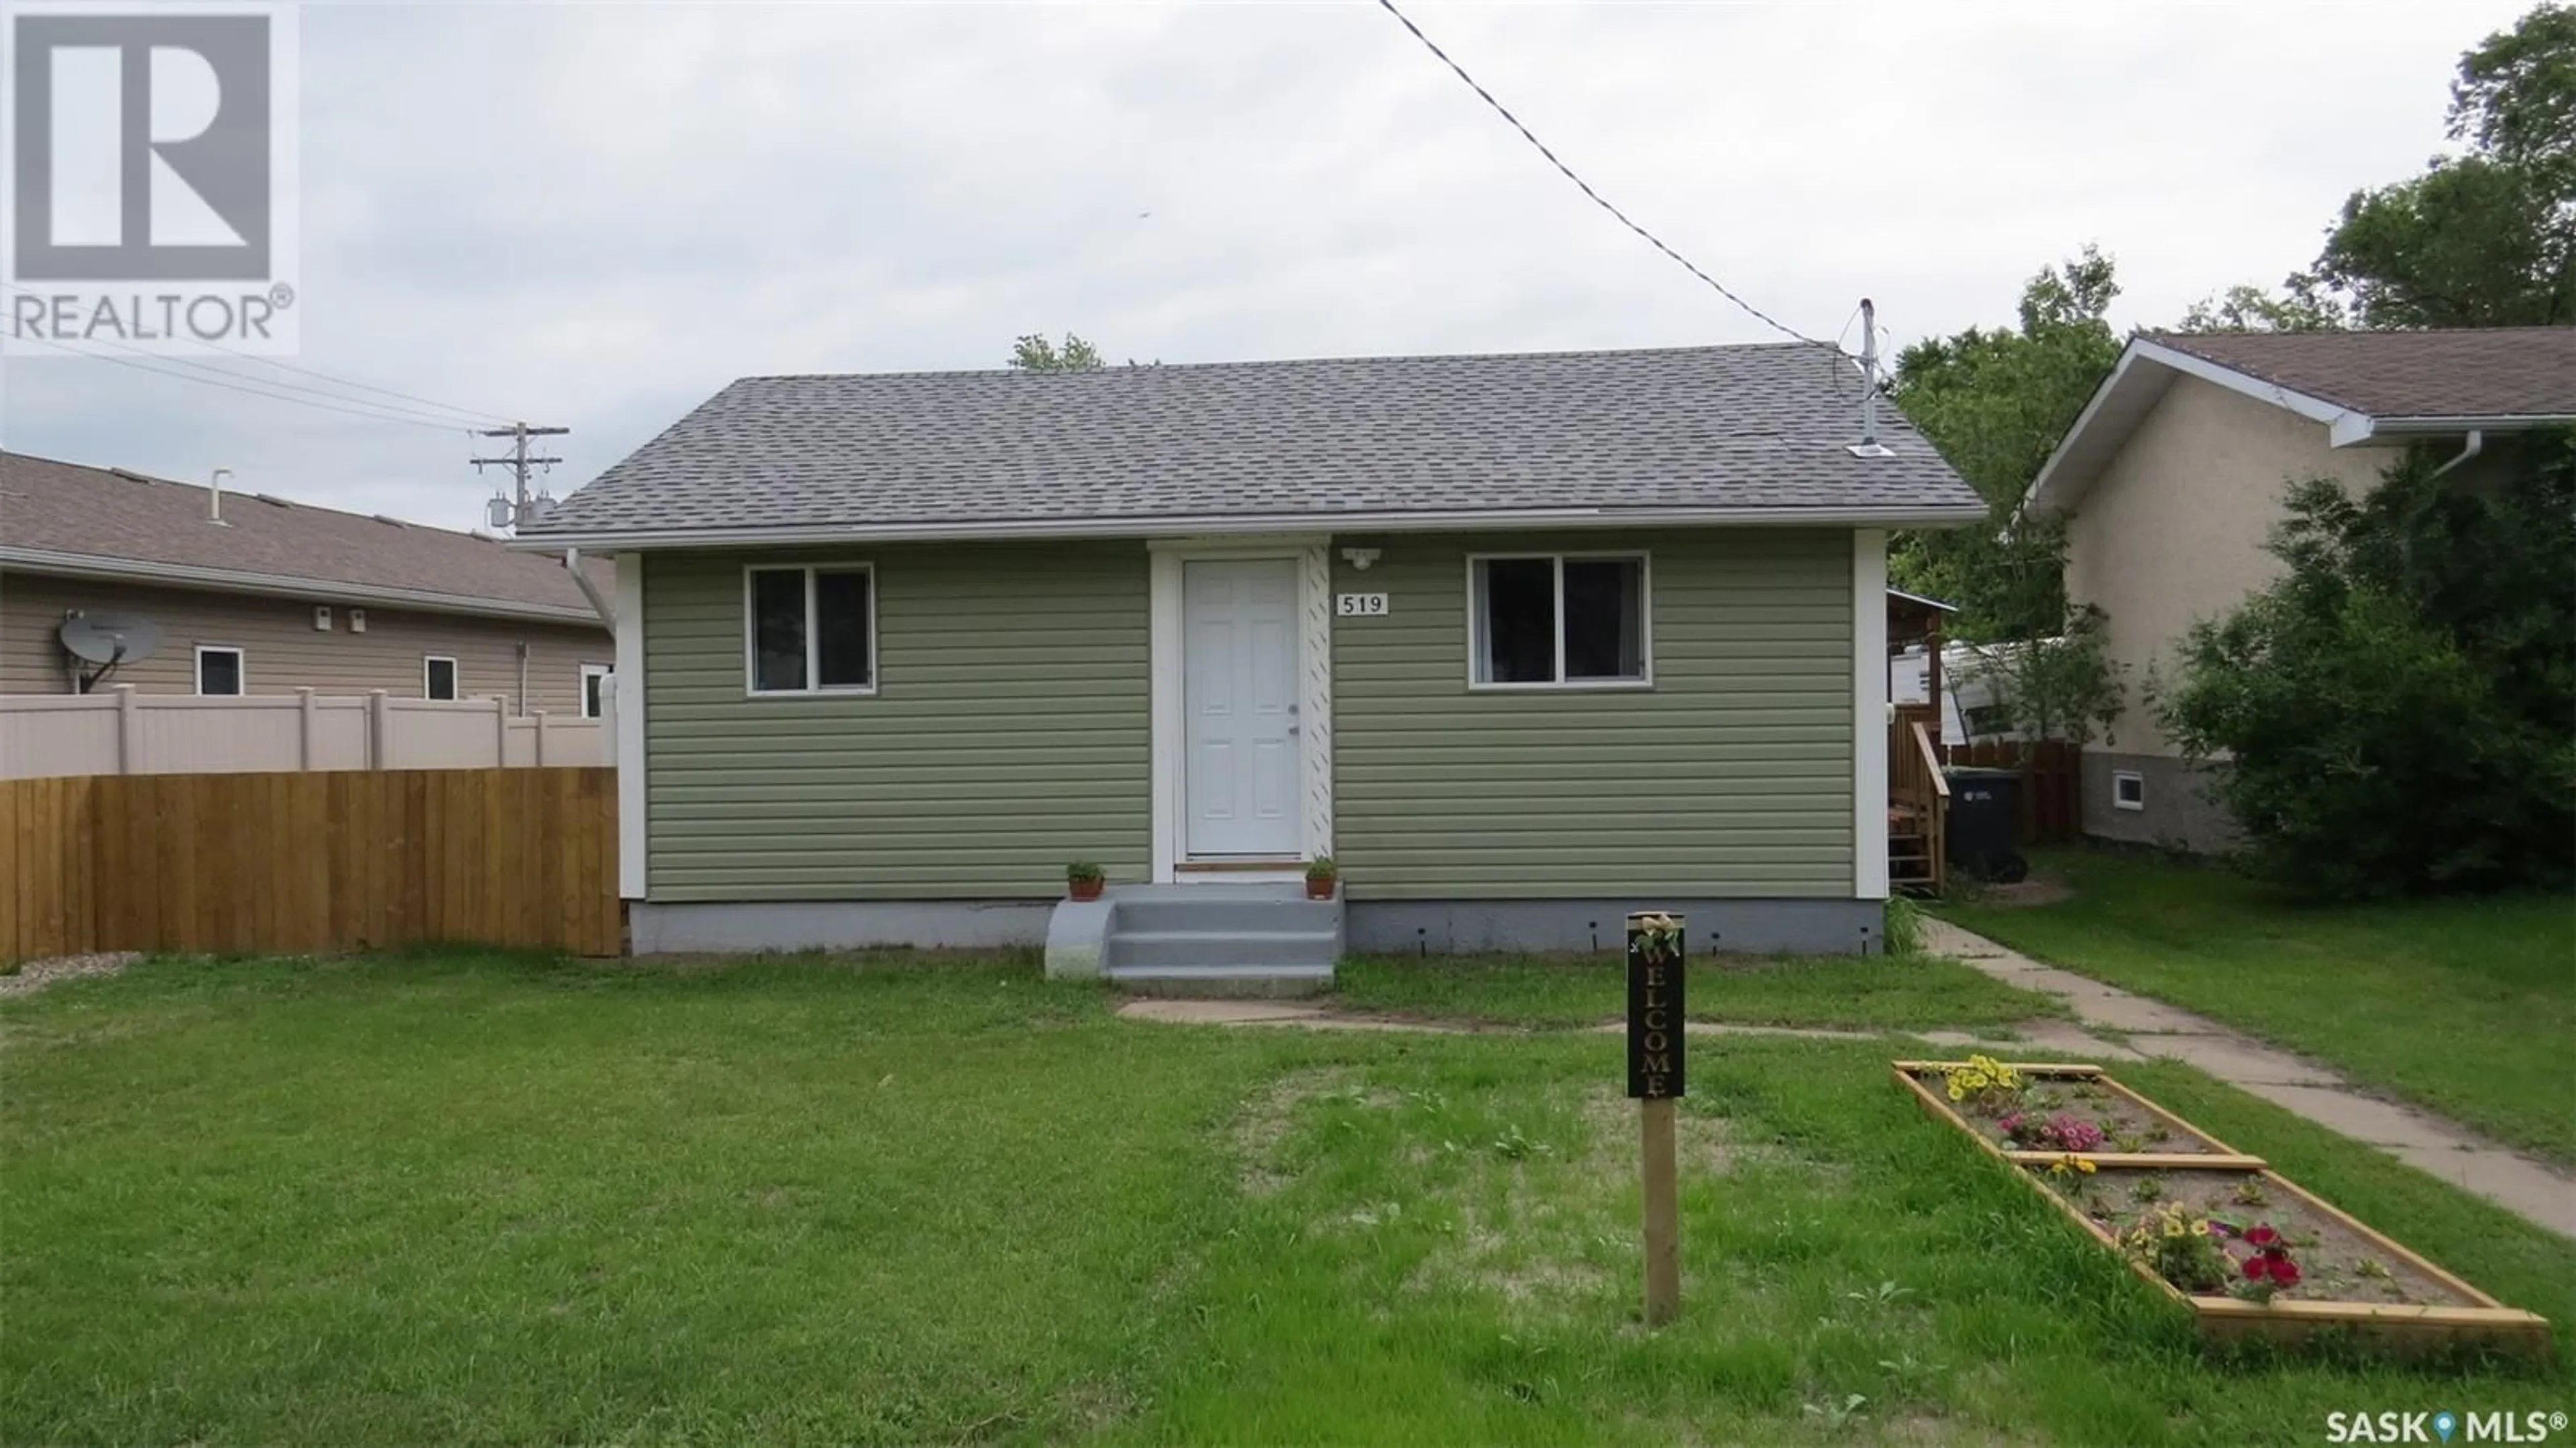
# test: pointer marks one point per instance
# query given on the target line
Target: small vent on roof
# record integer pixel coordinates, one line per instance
(1869, 450)
(273, 500)
(396, 522)
(130, 477)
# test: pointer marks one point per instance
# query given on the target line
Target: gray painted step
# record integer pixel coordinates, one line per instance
(1222, 947)
(1211, 911)
(1223, 980)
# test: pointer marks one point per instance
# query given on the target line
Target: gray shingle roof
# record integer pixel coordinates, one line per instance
(74, 510)
(1734, 428)
(2488, 372)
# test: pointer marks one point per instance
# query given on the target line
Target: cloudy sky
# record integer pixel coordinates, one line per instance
(597, 214)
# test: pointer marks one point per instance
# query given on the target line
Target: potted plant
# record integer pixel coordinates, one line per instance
(1321, 872)
(1083, 880)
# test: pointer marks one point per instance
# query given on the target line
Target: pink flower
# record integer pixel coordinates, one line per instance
(2261, 1235)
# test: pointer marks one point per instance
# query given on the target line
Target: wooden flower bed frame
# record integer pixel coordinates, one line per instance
(2403, 1327)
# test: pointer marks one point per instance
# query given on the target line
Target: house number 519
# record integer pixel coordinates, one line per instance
(1361, 605)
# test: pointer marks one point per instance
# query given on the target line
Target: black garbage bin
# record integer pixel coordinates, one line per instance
(1985, 823)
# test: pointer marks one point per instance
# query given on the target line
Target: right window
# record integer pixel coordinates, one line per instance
(2128, 789)
(1557, 620)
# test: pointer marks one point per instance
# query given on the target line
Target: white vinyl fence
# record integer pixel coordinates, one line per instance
(122, 732)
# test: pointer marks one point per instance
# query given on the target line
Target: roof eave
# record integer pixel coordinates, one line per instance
(274, 585)
(1001, 530)
(2447, 424)
(2080, 456)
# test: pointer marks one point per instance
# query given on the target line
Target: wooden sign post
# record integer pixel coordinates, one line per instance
(1655, 1039)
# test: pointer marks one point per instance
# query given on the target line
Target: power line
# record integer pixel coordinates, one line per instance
(467, 414)
(1759, 315)
(409, 419)
(388, 409)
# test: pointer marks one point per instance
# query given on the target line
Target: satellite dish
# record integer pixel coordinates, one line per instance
(110, 638)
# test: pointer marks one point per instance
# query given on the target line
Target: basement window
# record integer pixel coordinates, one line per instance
(437, 677)
(810, 630)
(1562, 620)
(2128, 789)
(219, 671)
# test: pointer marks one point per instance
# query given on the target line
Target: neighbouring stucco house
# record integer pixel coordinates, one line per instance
(2175, 473)
(253, 594)
(1523, 642)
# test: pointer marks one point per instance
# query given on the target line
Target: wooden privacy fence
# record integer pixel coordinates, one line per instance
(2050, 807)
(310, 862)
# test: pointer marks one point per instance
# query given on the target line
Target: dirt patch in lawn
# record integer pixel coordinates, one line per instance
(1268, 1119)
(2023, 894)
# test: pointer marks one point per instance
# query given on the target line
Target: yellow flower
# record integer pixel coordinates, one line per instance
(1956, 1094)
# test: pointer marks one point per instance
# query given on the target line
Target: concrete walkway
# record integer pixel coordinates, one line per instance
(2154, 1029)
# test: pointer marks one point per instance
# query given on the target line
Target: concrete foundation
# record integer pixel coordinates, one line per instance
(2177, 812)
(1758, 927)
(739, 928)
(1077, 937)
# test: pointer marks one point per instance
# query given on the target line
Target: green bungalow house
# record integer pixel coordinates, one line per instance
(1522, 642)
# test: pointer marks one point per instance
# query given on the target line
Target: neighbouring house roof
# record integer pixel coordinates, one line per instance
(1712, 434)
(66, 518)
(2364, 388)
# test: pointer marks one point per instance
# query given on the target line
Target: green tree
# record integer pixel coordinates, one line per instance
(2246, 308)
(1995, 401)
(2396, 709)
(2485, 239)
(1034, 353)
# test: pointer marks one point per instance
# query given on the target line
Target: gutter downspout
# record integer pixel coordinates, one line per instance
(2476, 444)
(589, 590)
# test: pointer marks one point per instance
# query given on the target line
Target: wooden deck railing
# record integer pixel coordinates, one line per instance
(1918, 800)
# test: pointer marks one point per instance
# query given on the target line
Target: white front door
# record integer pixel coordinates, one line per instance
(1239, 694)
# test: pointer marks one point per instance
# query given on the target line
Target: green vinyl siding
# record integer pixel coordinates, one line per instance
(1008, 734)
(1731, 776)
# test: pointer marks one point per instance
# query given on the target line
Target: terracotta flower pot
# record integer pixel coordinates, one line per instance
(1320, 887)
(1085, 889)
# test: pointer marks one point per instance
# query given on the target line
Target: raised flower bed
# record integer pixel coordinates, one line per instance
(2248, 1251)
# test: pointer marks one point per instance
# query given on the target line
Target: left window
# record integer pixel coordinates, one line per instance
(219, 670)
(810, 629)
(437, 677)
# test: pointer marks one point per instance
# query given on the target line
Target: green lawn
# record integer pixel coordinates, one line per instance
(1875, 992)
(470, 1198)
(2467, 1007)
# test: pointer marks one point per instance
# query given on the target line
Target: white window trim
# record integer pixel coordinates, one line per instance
(2125, 776)
(1645, 623)
(455, 676)
(581, 682)
(813, 634)
(241, 670)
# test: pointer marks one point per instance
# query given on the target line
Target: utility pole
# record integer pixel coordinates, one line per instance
(518, 462)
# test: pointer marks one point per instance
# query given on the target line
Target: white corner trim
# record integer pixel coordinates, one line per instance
(1163, 649)
(1315, 669)
(1166, 710)
(1869, 713)
(626, 683)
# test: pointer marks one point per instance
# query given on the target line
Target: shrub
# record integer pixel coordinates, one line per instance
(2395, 710)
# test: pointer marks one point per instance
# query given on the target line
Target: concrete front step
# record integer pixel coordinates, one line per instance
(1221, 947)
(1220, 938)
(1199, 908)
(1223, 981)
